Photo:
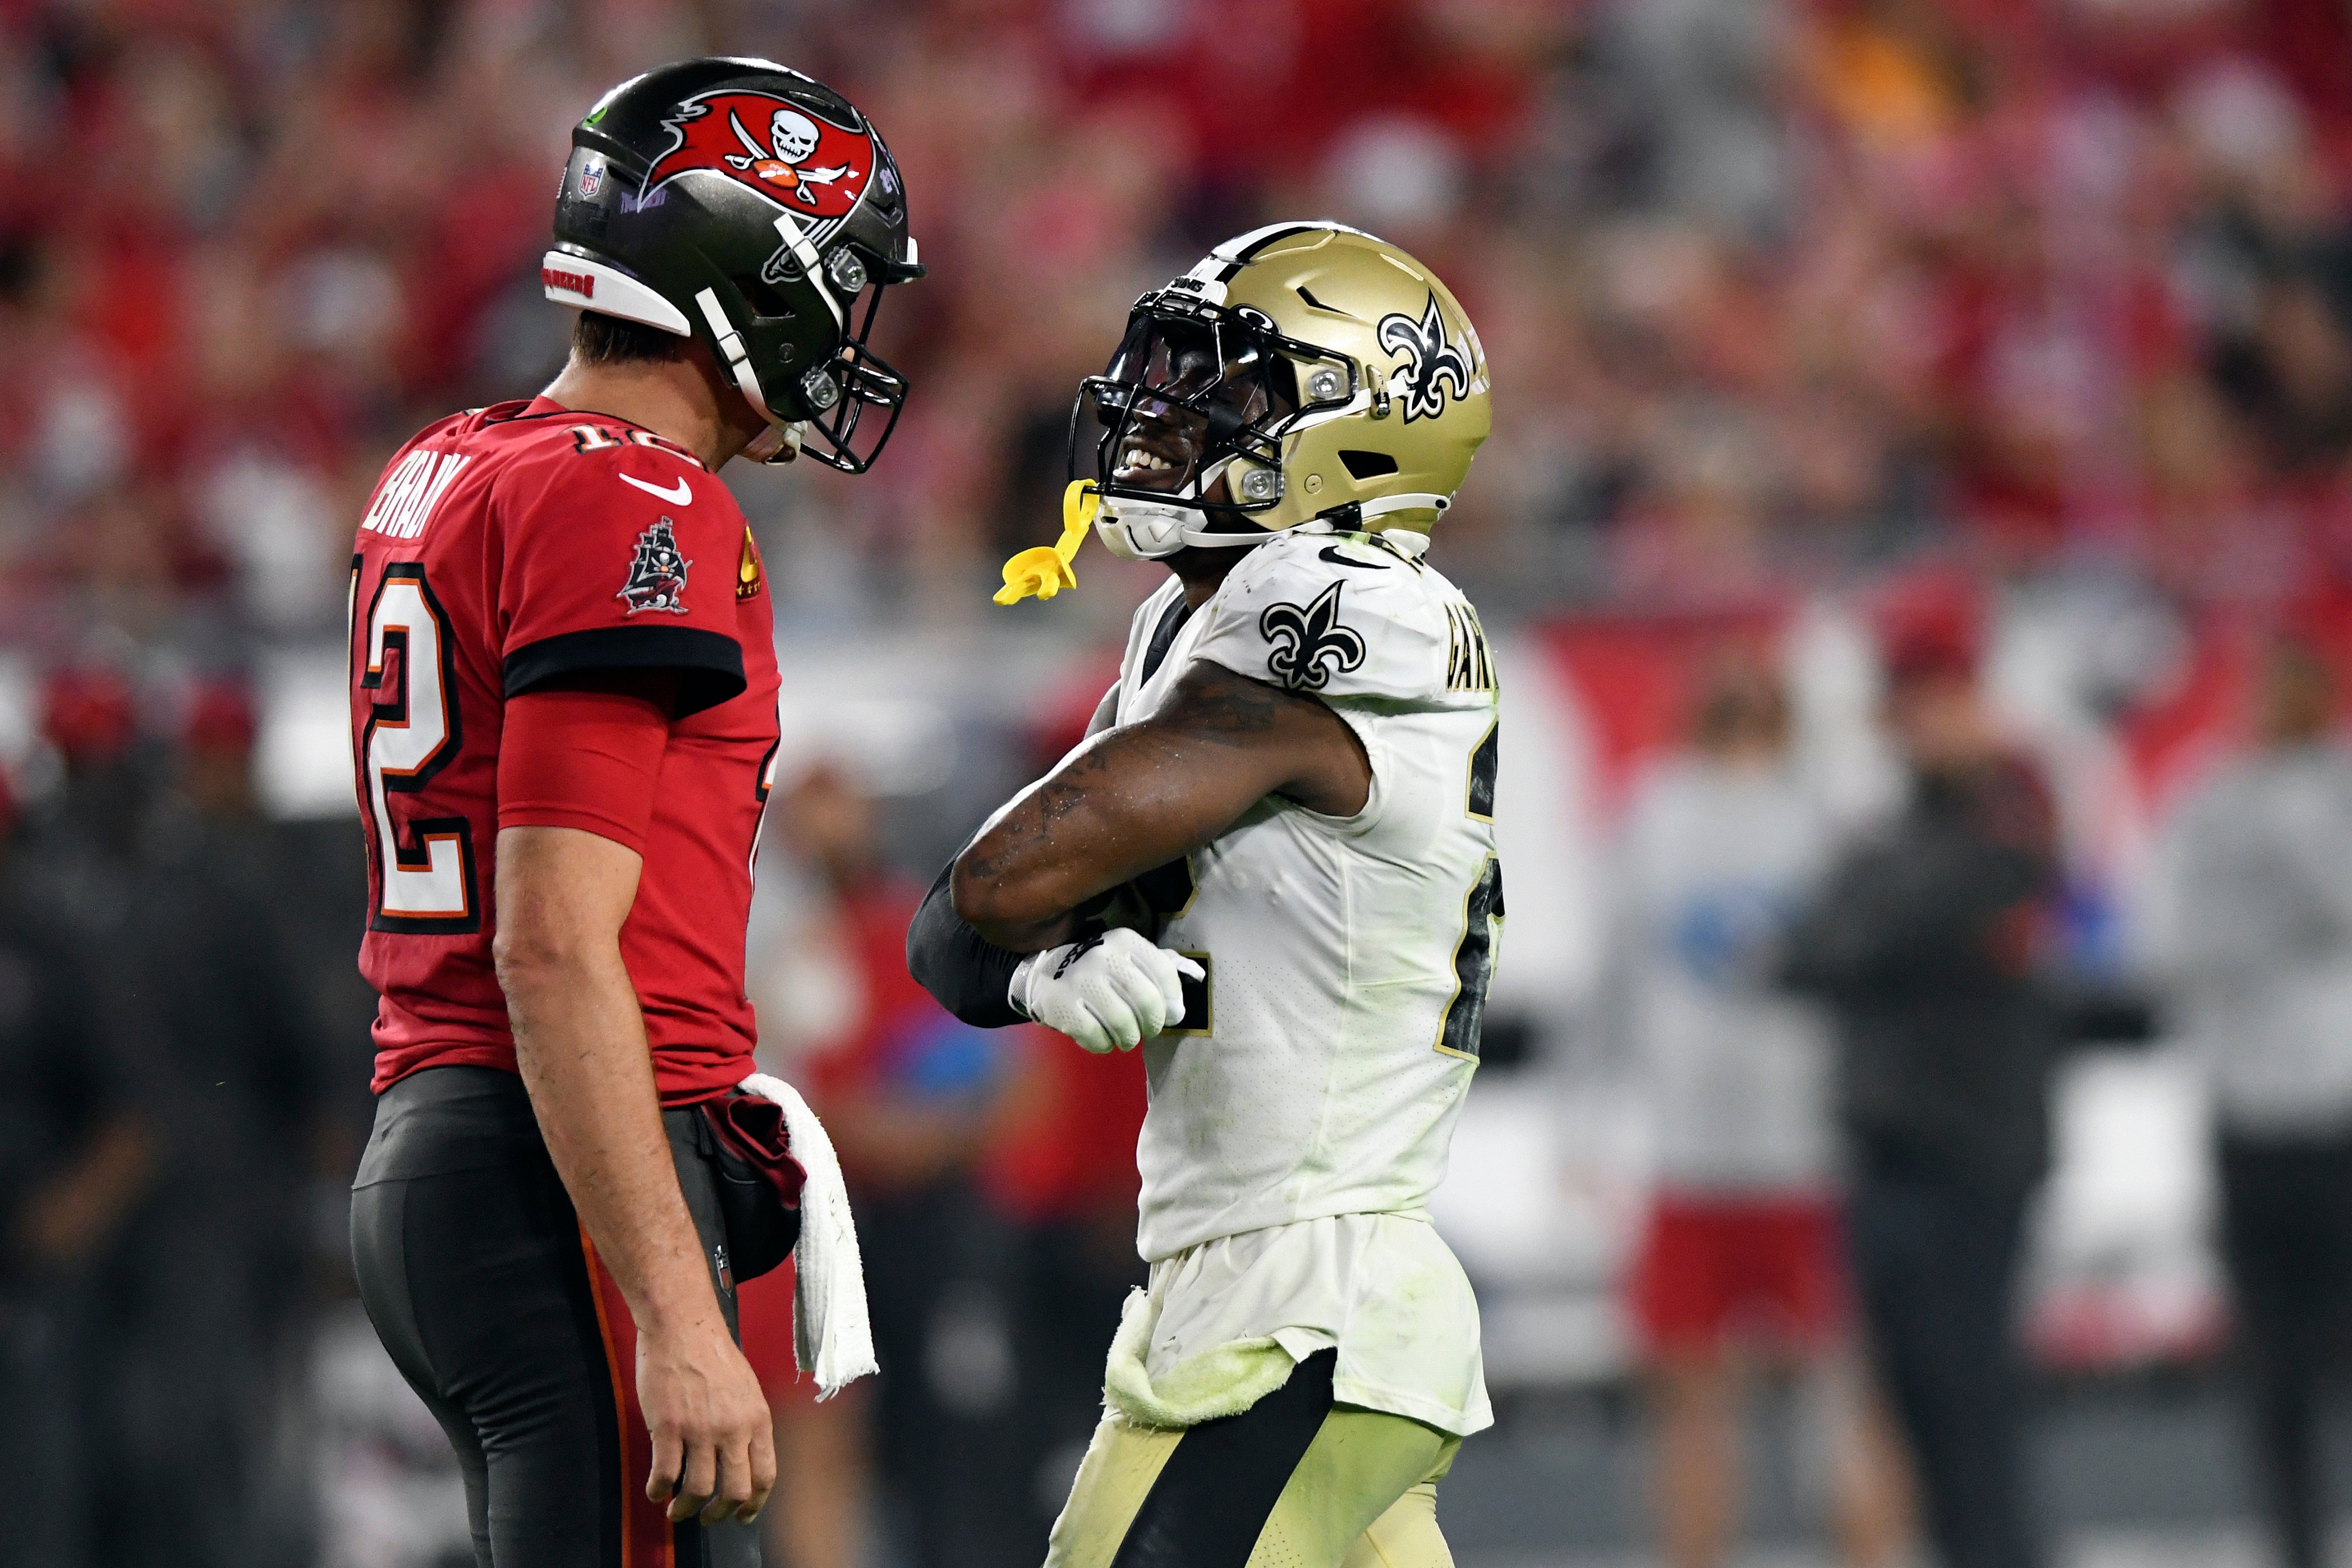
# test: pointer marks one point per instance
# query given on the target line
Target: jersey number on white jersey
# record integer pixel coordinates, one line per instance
(1482, 914)
(412, 733)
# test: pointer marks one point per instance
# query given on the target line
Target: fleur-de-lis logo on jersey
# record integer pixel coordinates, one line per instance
(656, 572)
(1432, 361)
(1310, 644)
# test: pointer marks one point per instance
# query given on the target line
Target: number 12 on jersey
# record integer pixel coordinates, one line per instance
(427, 884)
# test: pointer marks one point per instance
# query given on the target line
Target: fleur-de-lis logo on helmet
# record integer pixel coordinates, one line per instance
(1310, 644)
(1432, 361)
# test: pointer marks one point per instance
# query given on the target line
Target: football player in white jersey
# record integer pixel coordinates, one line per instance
(1272, 864)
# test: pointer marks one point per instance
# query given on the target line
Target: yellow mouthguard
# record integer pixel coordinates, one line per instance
(1044, 570)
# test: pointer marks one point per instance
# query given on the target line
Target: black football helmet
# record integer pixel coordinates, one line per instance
(741, 202)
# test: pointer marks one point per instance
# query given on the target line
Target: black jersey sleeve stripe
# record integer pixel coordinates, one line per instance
(711, 663)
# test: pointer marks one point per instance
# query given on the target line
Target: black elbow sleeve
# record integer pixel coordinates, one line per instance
(966, 973)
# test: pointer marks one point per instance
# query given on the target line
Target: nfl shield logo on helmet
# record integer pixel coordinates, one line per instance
(591, 177)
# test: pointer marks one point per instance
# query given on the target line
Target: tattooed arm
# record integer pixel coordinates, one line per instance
(1142, 794)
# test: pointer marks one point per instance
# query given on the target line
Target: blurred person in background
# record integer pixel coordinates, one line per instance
(1063, 1176)
(1922, 942)
(912, 1098)
(2260, 953)
(1723, 847)
(75, 872)
(81, 838)
(75, 1159)
(215, 1284)
(89, 715)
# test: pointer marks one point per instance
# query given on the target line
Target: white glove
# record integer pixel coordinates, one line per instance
(1108, 991)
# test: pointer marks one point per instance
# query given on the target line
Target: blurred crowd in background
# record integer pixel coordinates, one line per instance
(1918, 525)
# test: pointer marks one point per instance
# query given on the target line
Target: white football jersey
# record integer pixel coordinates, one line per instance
(1320, 1068)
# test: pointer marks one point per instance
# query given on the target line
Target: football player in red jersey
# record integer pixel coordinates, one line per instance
(563, 711)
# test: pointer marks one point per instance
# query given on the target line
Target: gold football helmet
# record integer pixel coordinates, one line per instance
(1303, 370)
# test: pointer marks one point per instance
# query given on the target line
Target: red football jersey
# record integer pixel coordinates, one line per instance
(503, 548)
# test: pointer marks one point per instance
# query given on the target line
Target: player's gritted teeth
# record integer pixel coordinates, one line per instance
(1155, 456)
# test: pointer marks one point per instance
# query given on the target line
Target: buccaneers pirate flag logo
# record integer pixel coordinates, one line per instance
(787, 153)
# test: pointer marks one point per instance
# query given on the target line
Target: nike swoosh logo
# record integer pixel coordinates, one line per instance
(1331, 552)
(677, 494)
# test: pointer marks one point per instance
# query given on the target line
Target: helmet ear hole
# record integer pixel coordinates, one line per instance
(764, 298)
(1284, 376)
(1362, 465)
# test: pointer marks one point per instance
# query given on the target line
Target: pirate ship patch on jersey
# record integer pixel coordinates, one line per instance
(656, 572)
(808, 166)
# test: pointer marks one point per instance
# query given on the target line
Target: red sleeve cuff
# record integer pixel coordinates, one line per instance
(588, 760)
